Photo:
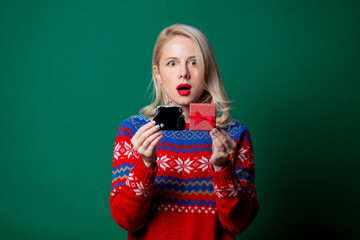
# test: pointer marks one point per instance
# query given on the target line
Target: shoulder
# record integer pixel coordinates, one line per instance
(236, 129)
(134, 122)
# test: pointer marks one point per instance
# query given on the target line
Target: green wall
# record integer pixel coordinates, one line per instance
(71, 71)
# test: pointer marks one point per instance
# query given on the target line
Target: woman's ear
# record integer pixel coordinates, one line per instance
(157, 74)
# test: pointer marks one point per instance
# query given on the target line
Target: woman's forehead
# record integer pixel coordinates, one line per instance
(178, 46)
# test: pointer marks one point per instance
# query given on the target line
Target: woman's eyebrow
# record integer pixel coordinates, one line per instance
(177, 57)
(170, 58)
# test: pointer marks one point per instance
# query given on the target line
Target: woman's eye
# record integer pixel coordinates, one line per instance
(193, 62)
(171, 63)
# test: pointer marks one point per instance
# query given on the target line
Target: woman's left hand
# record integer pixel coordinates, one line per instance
(223, 146)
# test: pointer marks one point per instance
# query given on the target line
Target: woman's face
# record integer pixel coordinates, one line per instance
(177, 71)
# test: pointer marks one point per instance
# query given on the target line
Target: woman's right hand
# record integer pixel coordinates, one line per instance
(144, 142)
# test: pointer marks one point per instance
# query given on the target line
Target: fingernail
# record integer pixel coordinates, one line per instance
(215, 131)
(211, 133)
(153, 122)
(157, 126)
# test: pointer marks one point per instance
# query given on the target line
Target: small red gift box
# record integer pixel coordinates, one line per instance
(202, 116)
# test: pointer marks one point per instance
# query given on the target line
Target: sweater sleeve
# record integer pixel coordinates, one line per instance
(236, 200)
(132, 183)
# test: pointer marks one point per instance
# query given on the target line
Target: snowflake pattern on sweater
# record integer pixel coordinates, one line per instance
(183, 183)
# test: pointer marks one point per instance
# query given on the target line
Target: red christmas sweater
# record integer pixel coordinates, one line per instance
(183, 197)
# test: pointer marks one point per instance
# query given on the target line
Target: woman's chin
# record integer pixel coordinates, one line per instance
(184, 102)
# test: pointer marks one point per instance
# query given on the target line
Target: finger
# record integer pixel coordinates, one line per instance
(219, 146)
(219, 150)
(148, 141)
(152, 145)
(220, 135)
(227, 147)
(229, 143)
(216, 144)
(145, 135)
(225, 133)
(141, 130)
(137, 143)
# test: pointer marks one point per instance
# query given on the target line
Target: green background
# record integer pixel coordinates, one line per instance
(72, 71)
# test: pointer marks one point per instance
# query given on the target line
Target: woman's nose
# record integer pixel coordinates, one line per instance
(184, 72)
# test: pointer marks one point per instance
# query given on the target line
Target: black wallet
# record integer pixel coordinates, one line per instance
(170, 117)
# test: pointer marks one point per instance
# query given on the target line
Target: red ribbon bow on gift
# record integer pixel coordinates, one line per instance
(199, 118)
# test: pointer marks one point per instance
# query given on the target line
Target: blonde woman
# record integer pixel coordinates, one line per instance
(184, 184)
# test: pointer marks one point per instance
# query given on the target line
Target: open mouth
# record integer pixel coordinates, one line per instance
(184, 89)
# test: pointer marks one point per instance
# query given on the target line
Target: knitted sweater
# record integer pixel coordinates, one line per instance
(183, 197)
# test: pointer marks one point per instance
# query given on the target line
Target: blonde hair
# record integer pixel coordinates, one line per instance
(207, 68)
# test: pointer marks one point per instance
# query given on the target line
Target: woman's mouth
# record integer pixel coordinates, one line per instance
(184, 89)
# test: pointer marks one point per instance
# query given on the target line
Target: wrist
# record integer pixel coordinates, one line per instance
(149, 165)
(219, 167)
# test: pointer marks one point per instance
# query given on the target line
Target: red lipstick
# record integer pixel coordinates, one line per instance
(184, 89)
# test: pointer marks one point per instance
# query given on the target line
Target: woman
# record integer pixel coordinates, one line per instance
(183, 184)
